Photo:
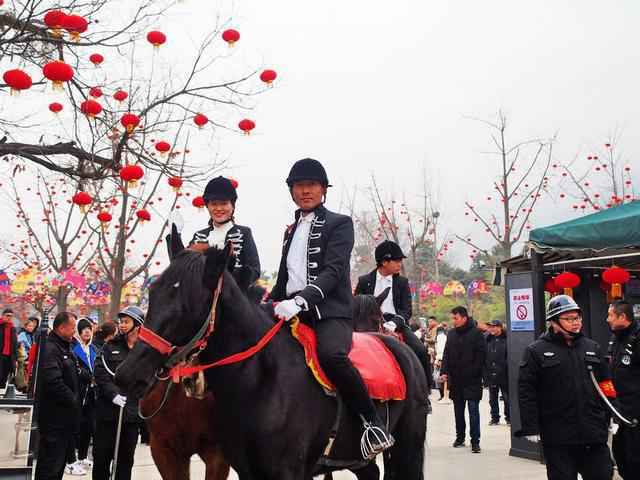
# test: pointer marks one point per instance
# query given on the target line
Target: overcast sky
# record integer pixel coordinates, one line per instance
(386, 87)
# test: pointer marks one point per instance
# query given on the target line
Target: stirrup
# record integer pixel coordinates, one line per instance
(374, 441)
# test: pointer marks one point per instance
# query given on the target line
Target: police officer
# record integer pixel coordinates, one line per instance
(396, 306)
(624, 352)
(58, 398)
(111, 399)
(220, 196)
(559, 404)
(313, 281)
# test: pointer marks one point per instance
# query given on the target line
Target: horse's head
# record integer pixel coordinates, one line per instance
(179, 305)
(367, 316)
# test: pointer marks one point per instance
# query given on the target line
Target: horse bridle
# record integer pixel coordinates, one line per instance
(177, 354)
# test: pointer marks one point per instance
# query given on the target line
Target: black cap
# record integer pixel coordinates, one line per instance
(83, 323)
(308, 169)
(221, 188)
(495, 323)
(388, 250)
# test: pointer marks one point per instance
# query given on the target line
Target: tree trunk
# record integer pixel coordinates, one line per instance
(114, 303)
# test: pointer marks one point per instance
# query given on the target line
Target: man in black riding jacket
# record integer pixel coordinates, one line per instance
(313, 281)
(624, 353)
(111, 400)
(559, 403)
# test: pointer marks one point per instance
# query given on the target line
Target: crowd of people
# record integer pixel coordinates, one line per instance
(80, 404)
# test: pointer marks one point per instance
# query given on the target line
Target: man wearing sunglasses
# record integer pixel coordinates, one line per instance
(559, 404)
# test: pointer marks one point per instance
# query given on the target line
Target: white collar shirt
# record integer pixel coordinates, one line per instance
(218, 234)
(383, 283)
(297, 256)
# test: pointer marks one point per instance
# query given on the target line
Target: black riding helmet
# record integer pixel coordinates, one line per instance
(388, 250)
(221, 188)
(308, 169)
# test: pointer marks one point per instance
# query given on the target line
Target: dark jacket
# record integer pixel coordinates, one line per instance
(624, 353)
(113, 354)
(87, 380)
(247, 268)
(557, 398)
(399, 289)
(328, 290)
(496, 370)
(58, 386)
(463, 361)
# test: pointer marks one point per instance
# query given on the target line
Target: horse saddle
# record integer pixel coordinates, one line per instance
(371, 357)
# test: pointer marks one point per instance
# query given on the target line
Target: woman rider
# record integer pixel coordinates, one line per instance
(220, 197)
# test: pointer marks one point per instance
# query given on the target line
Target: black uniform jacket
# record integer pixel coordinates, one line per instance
(463, 361)
(112, 355)
(328, 290)
(558, 400)
(400, 291)
(624, 352)
(496, 372)
(247, 268)
(58, 386)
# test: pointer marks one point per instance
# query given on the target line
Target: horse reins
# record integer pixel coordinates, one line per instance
(199, 341)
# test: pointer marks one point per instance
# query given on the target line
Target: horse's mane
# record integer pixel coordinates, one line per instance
(187, 269)
(366, 312)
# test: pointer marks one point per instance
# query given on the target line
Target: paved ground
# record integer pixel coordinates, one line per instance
(443, 461)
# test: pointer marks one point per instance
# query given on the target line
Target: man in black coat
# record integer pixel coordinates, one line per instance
(314, 283)
(496, 373)
(8, 347)
(58, 398)
(559, 404)
(624, 353)
(396, 306)
(462, 367)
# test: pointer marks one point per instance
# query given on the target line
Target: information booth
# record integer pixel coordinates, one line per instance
(586, 246)
(18, 423)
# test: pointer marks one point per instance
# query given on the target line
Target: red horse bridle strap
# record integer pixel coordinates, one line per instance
(155, 341)
(188, 370)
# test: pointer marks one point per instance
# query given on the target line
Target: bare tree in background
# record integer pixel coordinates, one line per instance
(524, 177)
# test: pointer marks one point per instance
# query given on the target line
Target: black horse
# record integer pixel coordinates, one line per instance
(273, 418)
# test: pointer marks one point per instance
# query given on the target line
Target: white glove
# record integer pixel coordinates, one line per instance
(119, 400)
(176, 219)
(389, 326)
(613, 428)
(287, 309)
(532, 438)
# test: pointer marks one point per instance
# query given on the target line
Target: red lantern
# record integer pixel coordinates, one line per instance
(96, 59)
(55, 107)
(104, 217)
(75, 25)
(551, 287)
(90, 108)
(131, 174)
(268, 76)
(231, 36)
(198, 202)
(17, 79)
(120, 96)
(58, 72)
(175, 183)
(130, 122)
(156, 38)
(246, 125)
(616, 277)
(95, 92)
(83, 200)
(163, 147)
(568, 281)
(234, 182)
(143, 215)
(54, 19)
(200, 120)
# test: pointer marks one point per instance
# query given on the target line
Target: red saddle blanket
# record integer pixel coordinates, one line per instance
(375, 362)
